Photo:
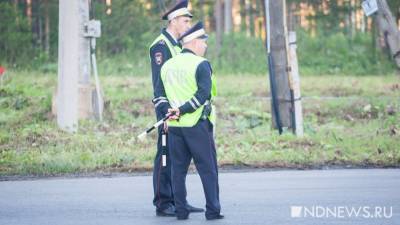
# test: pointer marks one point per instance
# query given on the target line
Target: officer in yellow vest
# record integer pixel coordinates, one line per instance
(188, 83)
(164, 47)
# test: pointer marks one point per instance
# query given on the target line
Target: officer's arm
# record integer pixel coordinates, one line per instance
(160, 100)
(203, 93)
(158, 55)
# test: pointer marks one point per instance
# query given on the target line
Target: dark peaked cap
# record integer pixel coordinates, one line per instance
(197, 31)
(179, 9)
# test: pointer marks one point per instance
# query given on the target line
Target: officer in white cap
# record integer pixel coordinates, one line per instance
(164, 47)
(189, 86)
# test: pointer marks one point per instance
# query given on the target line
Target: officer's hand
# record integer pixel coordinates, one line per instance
(176, 113)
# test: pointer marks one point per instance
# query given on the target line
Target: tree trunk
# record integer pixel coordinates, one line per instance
(257, 12)
(228, 16)
(29, 11)
(40, 33)
(352, 18)
(161, 5)
(388, 27)
(33, 20)
(398, 17)
(364, 21)
(218, 26)
(16, 8)
(38, 24)
(243, 15)
(47, 28)
(201, 10)
(250, 17)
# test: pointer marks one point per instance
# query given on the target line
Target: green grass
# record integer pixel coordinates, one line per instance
(359, 125)
(324, 54)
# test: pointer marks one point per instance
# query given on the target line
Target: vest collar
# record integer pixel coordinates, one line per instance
(169, 37)
(185, 50)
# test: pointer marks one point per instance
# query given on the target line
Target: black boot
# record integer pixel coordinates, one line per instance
(193, 209)
(215, 217)
(169, 212)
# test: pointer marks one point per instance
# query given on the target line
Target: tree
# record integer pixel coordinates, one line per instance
(47, 28)
(228, 16)
(15, 35)
(243, 15)
(129, 26)
(389, 29)
(218, 26)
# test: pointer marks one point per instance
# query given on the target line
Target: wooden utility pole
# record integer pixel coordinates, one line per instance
(284, 78)
(388, 27)
(297, 108)
(280, 62)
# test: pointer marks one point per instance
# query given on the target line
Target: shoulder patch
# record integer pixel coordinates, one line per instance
(158, 58)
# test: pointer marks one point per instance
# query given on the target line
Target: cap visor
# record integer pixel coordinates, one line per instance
(189, 15)
(204, 36)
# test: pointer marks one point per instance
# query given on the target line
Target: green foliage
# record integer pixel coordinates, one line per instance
(239, 54)
(328, 21)
(339, 54)
(131, 27)
(15, 35)
(127, 29)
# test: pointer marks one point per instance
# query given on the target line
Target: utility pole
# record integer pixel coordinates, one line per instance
(286, 107)
(68, 65)
(280, 62)
(74, 95)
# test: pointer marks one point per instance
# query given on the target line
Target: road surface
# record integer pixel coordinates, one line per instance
(355, 196)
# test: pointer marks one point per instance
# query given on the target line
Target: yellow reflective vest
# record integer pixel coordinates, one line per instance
(179, 78)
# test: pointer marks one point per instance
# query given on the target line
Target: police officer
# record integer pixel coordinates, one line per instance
(189, 86)
(164, 47)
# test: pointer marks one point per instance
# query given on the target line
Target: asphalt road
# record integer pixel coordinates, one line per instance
(355, 196)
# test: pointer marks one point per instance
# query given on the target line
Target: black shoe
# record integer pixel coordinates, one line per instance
(182, 216)
(215, 217)
(193, 209)
(168, 212)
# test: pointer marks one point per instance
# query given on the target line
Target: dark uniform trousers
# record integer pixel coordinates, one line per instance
(195, 142)
(162, 184)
